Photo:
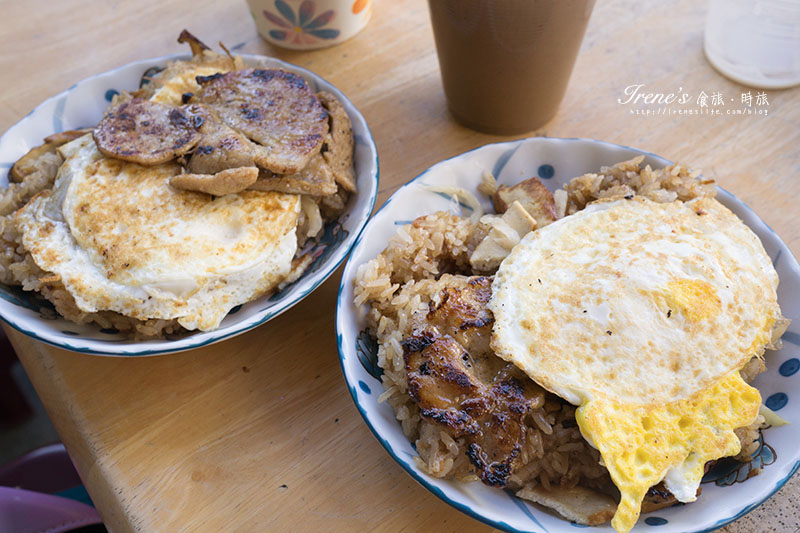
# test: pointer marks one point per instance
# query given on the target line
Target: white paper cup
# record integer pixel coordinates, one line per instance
(755, 42)
(309, 24)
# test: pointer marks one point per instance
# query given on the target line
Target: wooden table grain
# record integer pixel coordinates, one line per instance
(259, 432)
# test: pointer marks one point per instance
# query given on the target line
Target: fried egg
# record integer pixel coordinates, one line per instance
(642, 314)
(121, 239)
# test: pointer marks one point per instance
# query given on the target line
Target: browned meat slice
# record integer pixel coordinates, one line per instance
(147, 132)
(274, 108)
(220, 147)
(658, 497)
(315, 179)
(495, 450)
(458, 383)
(229, 181)
(535, 198)
(439, 380)
(490, 416)
(339, 144)
(461, 312)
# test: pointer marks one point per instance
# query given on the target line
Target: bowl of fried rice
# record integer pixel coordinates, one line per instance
(435, 245)
(38, 305)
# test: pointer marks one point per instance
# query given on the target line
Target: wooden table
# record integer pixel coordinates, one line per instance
(259, 432)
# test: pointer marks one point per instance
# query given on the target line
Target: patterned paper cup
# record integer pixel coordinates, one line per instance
(309, 24)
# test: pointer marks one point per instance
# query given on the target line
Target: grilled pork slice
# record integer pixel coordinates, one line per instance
(230, 181)
(220, 147)
(315, 179)
(146, 132)
(274, 108)
(658, 497)
(339, 143)
(459, 384)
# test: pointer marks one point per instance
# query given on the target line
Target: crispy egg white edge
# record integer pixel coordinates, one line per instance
(502, 307)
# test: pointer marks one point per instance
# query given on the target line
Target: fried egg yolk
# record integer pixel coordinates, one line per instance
(641, 446)
(696, 299)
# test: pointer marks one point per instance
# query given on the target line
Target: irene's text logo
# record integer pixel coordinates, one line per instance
(640, 100)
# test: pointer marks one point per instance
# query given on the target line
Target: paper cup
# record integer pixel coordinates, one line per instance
(505, 64)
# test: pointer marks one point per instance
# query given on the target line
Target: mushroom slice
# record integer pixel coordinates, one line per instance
(229, 181)
(197, 46)
(537, 200)
(63, 137)
(581, 505)
(274, 108)
(315, 179)
(339, 143)
(33, 161)
(148, 133)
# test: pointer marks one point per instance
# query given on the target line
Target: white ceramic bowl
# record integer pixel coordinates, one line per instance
(82, 105)
(727, 493)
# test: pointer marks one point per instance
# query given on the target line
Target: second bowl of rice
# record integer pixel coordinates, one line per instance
(420, 249)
